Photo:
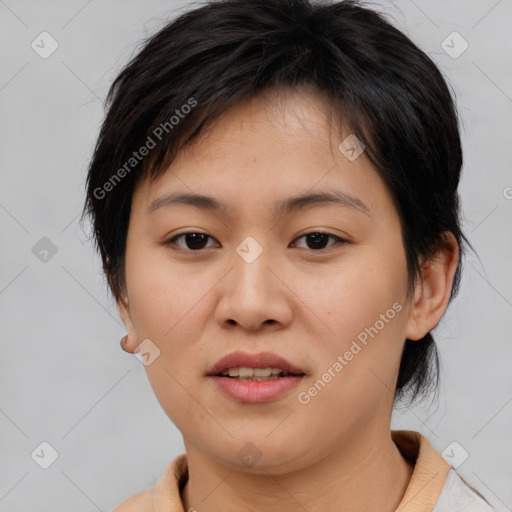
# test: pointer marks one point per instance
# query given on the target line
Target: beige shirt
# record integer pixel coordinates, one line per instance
(434, 486)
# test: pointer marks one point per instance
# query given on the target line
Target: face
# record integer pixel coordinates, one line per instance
(321, 284)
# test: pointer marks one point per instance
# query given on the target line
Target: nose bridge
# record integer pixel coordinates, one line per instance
(252, 293)
(251, 264)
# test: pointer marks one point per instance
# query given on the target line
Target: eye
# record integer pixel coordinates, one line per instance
(193, 240)
(317, 240)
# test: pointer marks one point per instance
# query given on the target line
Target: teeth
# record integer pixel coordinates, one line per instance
(245, 372)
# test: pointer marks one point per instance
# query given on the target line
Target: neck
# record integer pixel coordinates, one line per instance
(366, 474)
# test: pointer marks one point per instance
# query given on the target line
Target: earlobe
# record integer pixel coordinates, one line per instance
(433, 290)
(129, 341)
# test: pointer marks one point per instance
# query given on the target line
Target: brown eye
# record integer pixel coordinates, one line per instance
(318, 240)
(193, 241)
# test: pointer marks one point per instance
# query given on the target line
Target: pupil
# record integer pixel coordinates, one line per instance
(315, 238)
(195, 238)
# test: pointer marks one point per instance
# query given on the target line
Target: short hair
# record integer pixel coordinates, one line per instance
(378, 83)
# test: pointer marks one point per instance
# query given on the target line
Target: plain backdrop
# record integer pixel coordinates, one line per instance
(70, 395)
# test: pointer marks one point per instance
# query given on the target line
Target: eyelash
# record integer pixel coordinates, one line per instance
(171, 241)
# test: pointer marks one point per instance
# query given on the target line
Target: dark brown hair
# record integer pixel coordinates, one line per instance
(380, 85)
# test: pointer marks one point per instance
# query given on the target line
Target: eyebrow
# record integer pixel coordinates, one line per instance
(282, 207)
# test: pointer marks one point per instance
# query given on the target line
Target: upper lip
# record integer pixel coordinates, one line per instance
(261, 360)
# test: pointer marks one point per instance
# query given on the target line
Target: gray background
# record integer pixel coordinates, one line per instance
(65, 379)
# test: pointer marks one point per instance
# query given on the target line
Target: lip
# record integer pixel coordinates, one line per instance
(255, 391)
(261, 360)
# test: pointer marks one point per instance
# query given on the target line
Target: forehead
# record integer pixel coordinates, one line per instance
(265, 127)
(264, 150)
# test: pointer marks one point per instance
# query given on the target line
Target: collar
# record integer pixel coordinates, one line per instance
(429, 475)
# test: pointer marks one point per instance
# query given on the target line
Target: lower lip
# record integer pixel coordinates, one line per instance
(255, 391)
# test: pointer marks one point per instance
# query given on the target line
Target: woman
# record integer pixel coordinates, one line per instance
(280, 273)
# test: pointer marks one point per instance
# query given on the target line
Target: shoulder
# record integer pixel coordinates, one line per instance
(457, 495)
(165, 493)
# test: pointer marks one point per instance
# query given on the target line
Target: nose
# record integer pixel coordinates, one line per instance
(254, 294)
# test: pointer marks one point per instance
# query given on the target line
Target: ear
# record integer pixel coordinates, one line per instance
(124, 311)
(433, 290)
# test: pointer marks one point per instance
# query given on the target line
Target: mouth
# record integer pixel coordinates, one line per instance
(245, 373)
(254, 367)
(255, 378)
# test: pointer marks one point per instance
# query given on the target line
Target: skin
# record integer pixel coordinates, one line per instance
(336, 452)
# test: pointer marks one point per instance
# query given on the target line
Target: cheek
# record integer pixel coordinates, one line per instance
(347, 297)
(360, 303)
(165, 307)
(163, 295)
(357, 366)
